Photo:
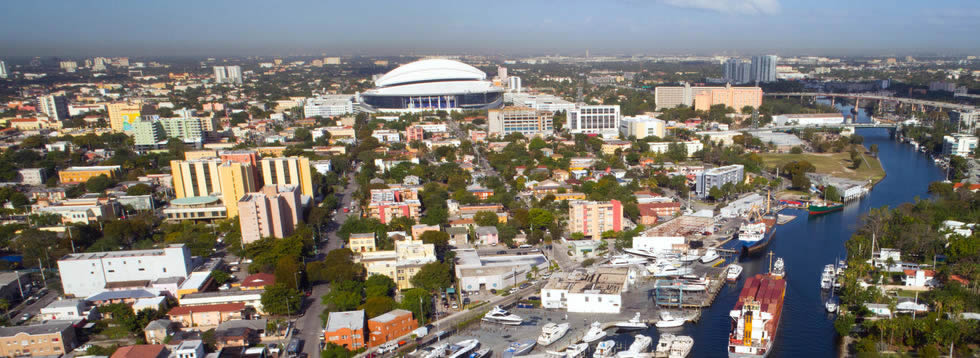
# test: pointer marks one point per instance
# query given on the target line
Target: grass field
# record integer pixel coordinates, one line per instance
(834, 164)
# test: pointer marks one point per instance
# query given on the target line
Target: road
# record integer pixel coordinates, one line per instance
(309, 327)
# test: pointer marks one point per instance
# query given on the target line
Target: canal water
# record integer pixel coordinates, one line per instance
(806, 245)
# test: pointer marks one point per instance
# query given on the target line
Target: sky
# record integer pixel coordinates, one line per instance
(69, 28)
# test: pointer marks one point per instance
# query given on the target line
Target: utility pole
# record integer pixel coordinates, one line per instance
(19, 286)
(72, 239)
(40, 267)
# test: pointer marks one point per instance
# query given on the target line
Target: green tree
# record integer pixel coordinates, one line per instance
(831, 193)
(337, 266)
(439, 239)
(280, 299)
(287, 272)
(379, 286)
(433, 276)
(796, 150)
(485, 218)
(220, 276)
(98, 184)
(139, 189)
(419, 301)
(540, 218)
(376, 306)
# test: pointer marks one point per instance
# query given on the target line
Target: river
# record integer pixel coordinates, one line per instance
(806, 245)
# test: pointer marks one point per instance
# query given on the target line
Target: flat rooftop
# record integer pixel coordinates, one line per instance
(604, 280)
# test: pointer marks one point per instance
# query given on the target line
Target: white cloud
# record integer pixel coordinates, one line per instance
(745, 7)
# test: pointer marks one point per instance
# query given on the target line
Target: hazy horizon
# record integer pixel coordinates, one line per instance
(387, 28)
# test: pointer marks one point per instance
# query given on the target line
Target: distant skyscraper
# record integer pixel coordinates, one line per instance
(228, 74)
(55, 107)
(764, 68)
(737, 71)
(3, 69)
(514, 84)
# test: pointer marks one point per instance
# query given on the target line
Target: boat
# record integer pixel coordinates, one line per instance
(437, 351)
(576, 350)
(519, 348)
(640, 345)
(710, 255)
(779, 268)
(552, 332)
(663, 345)
(734, 271)
(820, 208)
(756, 236)
(681, 346)
(667, 270)
(626, 260)
(633, 324)
(832, 304)
(827, 277)
(483, 353)
(668, 320)
(500, 315)
(463, 348)
(605, 349)
(641, 253)
(595, 333)
(755, 316)
(689, 257)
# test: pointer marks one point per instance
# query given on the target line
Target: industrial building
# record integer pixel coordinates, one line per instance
(580, 291)
(480, 273)
(86, 274)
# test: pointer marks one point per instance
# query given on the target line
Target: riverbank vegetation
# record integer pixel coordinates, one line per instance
(921, 232)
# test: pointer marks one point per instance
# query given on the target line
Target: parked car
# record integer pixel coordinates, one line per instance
(525, 285)
(513, 290)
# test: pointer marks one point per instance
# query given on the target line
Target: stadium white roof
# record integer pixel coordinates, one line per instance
(430, 70)
(435, 88)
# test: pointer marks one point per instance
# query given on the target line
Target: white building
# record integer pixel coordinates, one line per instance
(228, 74)
(514, 84)
(965, 120)
(743, 205)
(588, 292)
(480, 273)
(86, 274)
(55, 107)
(809, 119)
(919, 278)
(543, 102)
(657, 244)
(959, 144)
(692, 147)
(329, 106)
(32, 176)
(642, 127)
(189, 349)
(3, 70)
(716, 177)
(251, 298)
(68, 310)
(386, 135)
(599, 119)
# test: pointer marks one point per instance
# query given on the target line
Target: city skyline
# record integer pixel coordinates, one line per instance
(728, 27)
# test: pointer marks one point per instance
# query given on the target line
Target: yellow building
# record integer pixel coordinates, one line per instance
(362, 242)
(287, 171)
(200, 154)
(237, 179)
(75, 175)
(400, 264)
(271, 151)
(209, 176)
(122, 116)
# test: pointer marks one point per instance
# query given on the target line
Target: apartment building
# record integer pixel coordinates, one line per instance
(42, 340)
(346, 329)
(293, 171)
(390, 325)
(716, 177)
(122, 116)
(598, 119)
(400, 264)
(592, 218)
(210, 177)
(272, 212)
(702, 98)
(642, 127)
(525, 120)
(86, 274)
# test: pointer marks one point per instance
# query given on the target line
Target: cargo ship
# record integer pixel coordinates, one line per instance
(755, 317)
(756, 236)
(823, 208)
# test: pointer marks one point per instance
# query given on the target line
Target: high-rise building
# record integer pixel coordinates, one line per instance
(55, 107)
(524, 120)
(3, 70)
(737, 71)
(237, 179)
(68, 66)
(764, 68)
(642, 127)
(598, 119)
(123, 115)
(272, 212)
(287, 171)
(959, 144)
(147, 134)
(716, 177)
(702, 98)
(592, 218)
(514, 84)
(228, 74)
(210, 177)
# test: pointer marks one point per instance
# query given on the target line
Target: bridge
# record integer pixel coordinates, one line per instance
(857, 97)
(889, 126)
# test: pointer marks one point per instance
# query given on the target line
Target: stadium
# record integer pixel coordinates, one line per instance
(435, 84)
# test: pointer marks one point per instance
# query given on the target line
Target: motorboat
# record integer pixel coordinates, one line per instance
(710, 255)
(827, 277)
(779, 268)
(605, 349)
(576, 350)
(662, 270)
(463, 348)
(663, 345)
(483, 353)
(681, 346)
(641, 253)
(626, 260)
(640, 345)
(552, 332)
(595, 333)
(690, 257)
(633, 324)
(437, 351)
(500, 315)
(519, 348)
(668, 320)
(734, 271)
(832, 304)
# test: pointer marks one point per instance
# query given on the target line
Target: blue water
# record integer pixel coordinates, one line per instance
(806, 245)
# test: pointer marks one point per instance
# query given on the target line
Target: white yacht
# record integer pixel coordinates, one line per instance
(500, 315)
(595, 333)
(668, 320)
(519, 348)
(633, 324)
(667, 270)
(437, 351)
(779, 268)
(463, 348)
(640, 345)
(681, 346)
(827, 277)
(663, 345)
(710, 255)
(552, 332)
(832, 303)
(626, 260)
(690, 257)
(733, 272)
(641, 253)
(605, 349)
(576, 350)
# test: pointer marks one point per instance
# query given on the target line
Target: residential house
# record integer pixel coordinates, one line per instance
(206, 315)
(157, 331)
(487, 235)
(142, 351)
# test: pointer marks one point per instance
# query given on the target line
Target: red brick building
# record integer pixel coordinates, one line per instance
(390, 325)
(346, 329)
